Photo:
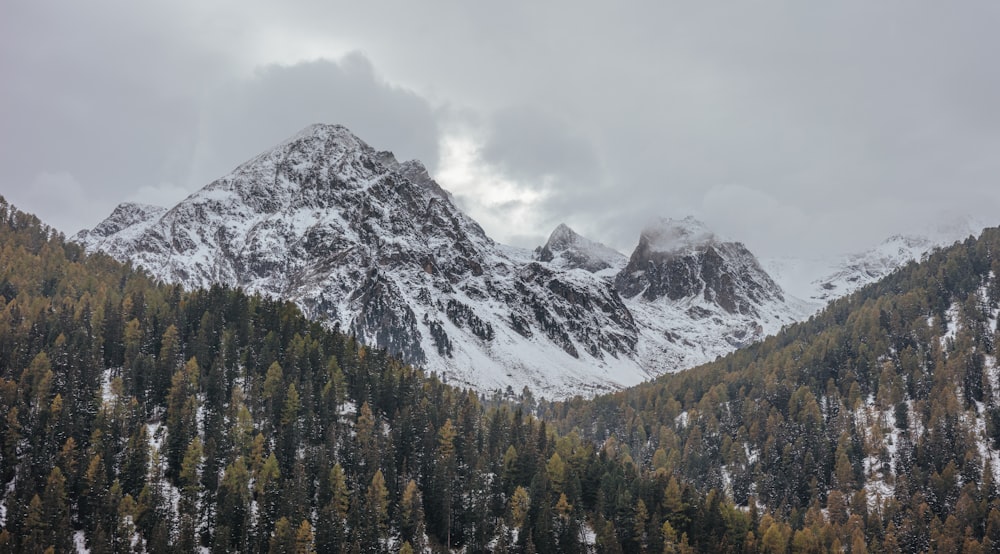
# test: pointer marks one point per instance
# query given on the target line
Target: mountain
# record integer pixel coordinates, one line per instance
(867, 267)
(683, 259)
(127, 216)
(697, 296)
(375, 247)
(565, 249)
(819, 281)
(875, 423)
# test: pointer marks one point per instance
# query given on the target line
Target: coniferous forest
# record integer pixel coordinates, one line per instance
(143, 418)
(140, 417)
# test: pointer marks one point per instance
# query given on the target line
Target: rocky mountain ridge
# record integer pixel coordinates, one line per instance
(375, 247)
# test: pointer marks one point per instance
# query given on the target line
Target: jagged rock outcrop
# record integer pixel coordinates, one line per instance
(683, 259)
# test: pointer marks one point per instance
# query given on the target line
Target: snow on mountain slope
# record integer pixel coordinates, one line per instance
(129, 217)
(858, 270)
(819, 281)
(375, 247)
(565, 249)
(378, 249)
(697, 296)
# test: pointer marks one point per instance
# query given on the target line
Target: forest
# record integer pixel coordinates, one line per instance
(140, 417)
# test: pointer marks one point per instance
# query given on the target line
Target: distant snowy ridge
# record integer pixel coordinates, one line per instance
(819, 281)
(377, 248)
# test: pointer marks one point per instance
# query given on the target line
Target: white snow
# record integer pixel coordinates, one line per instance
(951, 317)
(80, 542)
(8, 490)
(572, 251)
(820, 280)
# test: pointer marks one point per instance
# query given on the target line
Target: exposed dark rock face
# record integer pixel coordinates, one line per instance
(691, 262)
(386, 320)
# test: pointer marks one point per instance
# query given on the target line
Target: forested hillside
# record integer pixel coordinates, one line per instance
(138, 417)
(874, 426)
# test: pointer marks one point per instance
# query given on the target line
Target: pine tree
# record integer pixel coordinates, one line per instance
(234, 504)
(166, 364)
(556, 469)
(55, 510)
(411, 524)
(283, 538)
(520, 504)
(443, 489)
(182, 407)
(331, 536)
(640, 518)
(304, 539)
(268, 486)
(36, 530)
(375, 511)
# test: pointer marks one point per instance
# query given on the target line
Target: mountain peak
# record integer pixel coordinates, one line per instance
(683, 259)
(567, 249)
(125, 215)
(562, 236)
(323, 130)
(333, 137)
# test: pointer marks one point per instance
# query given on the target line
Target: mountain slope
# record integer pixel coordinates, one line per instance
(822, 280)
(566, 249)
(697, 296)
(376, 248)
(874, 422)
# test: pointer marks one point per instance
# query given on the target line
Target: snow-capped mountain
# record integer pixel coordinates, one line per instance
(683, 259)
(376, 247)
(696, 295)
(565, 249)
(128, 215)
(819, 281)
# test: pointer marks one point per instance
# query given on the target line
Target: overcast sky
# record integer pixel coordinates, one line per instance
(797, 127)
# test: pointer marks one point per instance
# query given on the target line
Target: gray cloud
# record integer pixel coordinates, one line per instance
(530, 145)
(245, 117)
(128, 118)
(797, 127)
